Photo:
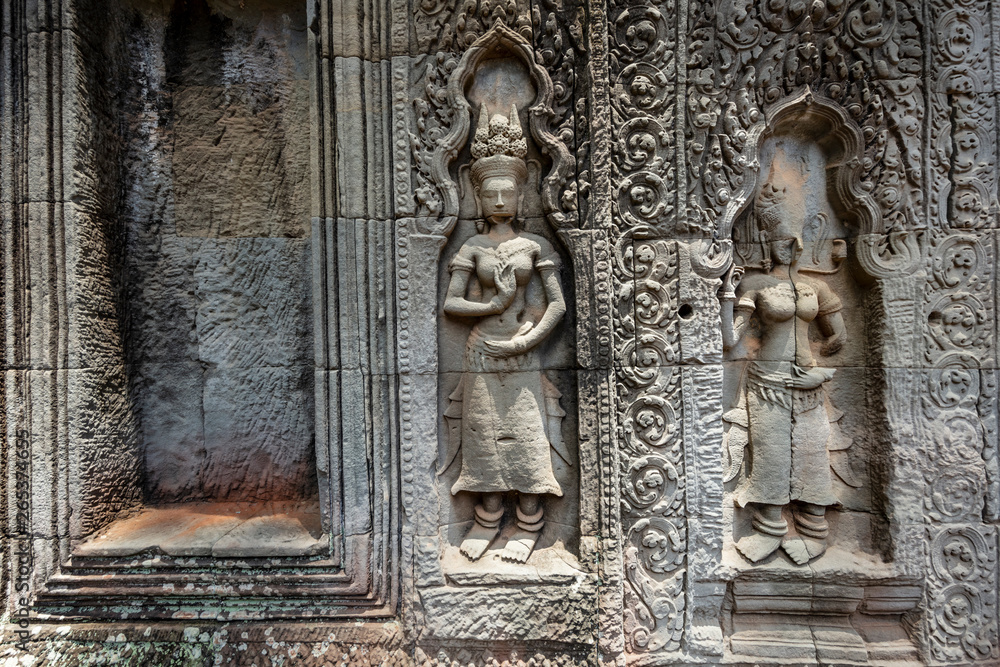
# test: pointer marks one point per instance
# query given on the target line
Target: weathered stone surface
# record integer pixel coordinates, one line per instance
(561, 614)
(258, 434)
(249, 530)
(253, 303)
(239, 96)
(253, 286)
(277, 530)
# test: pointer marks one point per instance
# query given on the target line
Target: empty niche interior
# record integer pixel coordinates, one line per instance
(215, 205)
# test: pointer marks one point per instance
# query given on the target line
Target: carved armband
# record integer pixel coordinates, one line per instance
(459, 263)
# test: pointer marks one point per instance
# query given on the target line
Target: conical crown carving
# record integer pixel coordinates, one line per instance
(499, 135)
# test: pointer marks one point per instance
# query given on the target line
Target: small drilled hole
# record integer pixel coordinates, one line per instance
(685, 311)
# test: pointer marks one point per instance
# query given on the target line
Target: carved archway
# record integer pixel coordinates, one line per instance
(816, 119)
(501, 41)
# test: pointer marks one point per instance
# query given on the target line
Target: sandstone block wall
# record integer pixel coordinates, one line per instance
(268, 329)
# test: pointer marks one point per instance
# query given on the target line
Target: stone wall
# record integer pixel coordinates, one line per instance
(563, 332)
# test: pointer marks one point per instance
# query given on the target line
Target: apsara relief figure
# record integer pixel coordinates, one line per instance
(782, 416)
(504, 415)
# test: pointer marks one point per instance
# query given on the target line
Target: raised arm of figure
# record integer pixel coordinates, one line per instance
(547, 265)
(832, 327)
(829, 320)
(554, 311)
(735, 308)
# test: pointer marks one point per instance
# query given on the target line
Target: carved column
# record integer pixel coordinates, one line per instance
(957, 419)
(650, 375)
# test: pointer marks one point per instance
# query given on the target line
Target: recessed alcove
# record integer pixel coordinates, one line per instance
(218, 280)
(798, 165)
(213, 432)
(830, 600)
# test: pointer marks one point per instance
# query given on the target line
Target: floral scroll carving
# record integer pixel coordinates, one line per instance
(962, 624)
(652, 467)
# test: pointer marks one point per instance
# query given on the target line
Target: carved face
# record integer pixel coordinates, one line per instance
(786, 251)
(643, 91)
(498, 197)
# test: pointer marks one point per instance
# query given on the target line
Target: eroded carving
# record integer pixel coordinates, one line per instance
(452, 130)
(963, 563)
(782, 415)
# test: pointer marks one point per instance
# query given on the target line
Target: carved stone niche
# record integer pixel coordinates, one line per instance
(811, 572)
(218, 446)
(507, 511)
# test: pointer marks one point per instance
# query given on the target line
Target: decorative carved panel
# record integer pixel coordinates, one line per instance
(230, 239)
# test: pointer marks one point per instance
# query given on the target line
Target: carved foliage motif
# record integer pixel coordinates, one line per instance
(434, 118)
(962, 610)
(651, 443)
(957, 408)
(643, 94)
(744, 57)
(962, 117)
(643, 90)
(455, 25)
(558, 27)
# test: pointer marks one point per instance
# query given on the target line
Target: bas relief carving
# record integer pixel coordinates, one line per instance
(505, 414)
(508, 476)
(689, 357)
(794, 330)
(783, 416)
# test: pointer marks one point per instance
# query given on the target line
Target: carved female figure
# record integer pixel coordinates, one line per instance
(504, 415)
(782, 411)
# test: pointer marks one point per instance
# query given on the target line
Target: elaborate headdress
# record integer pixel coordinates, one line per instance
(768, 212)
(499, 148)
(768, 209)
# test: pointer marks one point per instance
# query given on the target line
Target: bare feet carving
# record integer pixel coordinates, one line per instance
(478, 540)
(796, 549)
(519, 546)
(815, 547)
(757, 546)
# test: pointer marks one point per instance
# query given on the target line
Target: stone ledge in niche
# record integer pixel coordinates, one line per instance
(837, 565)
(222, 530)
(550, 565)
